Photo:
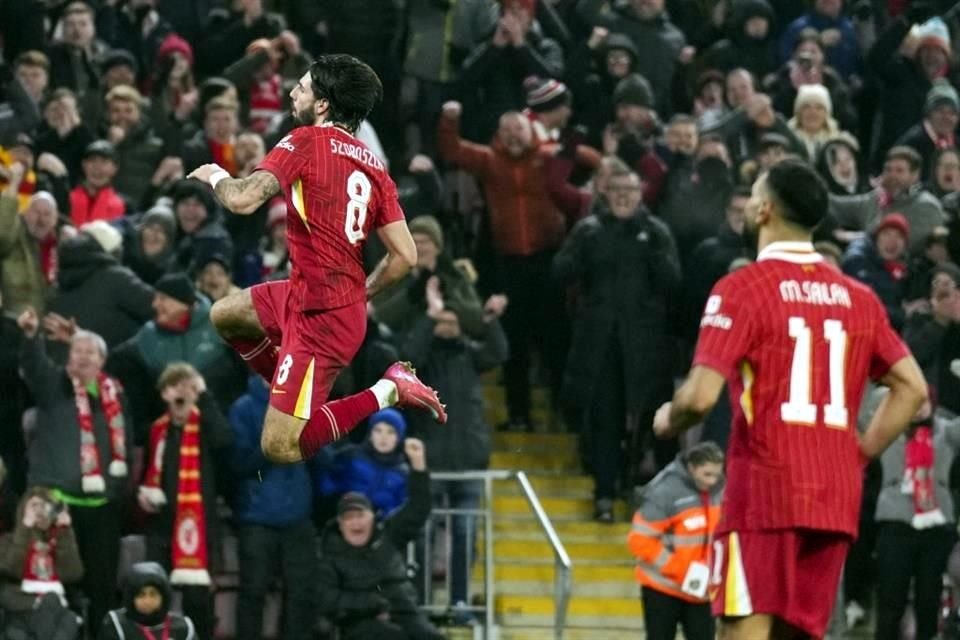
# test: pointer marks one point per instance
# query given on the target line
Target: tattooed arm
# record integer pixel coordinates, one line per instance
(240, 195)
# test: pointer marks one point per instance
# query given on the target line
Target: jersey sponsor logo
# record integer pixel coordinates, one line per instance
(355, 152)
(829, 294)
(717, 321)
(285, 143)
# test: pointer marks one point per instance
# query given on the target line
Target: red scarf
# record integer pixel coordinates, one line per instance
(223, 156)
(895, 268)
(918, 478)
(40, 565)
(93, 481)
(48, 258)
(266, 103)
(189, 546)
(940, 142)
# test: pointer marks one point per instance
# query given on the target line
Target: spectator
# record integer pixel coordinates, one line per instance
(135, 27)
(36, 561)
(711, 259)
(626, 264)
(200, 230)
(750, 43)
(593, 71)
(149, 251)
(28, 248)
(937, 130)
(274, 244)
(744, 128)
(527, 228)
(18, 110)
(32, 69)
(73, 59)
(377, 468)
(835, 32)
(229, 30)
(813, 122)
(739, 87)
(905, 81)
(917, 523)
(708, 100)
(95, 198)
(879, 261)
(362, 580)
(899, 190)
(678, 515)
(495, 70)
(452, 360)
(922, 269)
(187, 451)
(215, 143)
(137, 150)
(839, 164)
(173, 92)
(631, 135)
(271, 506)
(934, 339)
(97, 292)
(63, 132)
(180, 330)
(213, 277)
(80, 447)
(945, 172)
(647, 24)
(146, 611)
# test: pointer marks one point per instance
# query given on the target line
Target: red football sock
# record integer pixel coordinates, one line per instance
(260, 355)
(334, 420)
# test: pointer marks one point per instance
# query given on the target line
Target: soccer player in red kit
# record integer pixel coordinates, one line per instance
(300, 333)
(795, 341)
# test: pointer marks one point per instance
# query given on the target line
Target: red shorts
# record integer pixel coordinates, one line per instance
(791, 574)
(314, 347)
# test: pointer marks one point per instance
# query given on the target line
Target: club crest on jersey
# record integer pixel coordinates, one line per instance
(285, 143)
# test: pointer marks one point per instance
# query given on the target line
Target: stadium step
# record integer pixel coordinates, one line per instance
(605, 599)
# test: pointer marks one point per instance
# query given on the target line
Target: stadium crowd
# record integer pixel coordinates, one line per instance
(575, 175)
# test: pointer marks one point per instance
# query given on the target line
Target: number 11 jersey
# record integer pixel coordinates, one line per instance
(796, 341)
(337, 193)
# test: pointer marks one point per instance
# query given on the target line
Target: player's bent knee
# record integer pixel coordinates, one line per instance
(280, 440)
(234, 315)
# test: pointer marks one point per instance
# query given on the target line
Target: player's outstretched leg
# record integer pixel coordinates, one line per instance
(236, 320)
(288, 439)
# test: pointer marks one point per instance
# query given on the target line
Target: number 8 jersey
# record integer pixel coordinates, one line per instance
(796, 341)
(337, 193)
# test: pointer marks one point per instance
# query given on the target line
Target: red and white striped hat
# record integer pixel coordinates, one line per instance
(545, 94)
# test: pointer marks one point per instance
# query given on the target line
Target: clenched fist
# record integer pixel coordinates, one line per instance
(416, 454)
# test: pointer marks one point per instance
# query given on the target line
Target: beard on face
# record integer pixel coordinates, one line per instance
(305, 116)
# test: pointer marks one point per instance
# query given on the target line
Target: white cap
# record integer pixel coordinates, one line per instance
(104, 233)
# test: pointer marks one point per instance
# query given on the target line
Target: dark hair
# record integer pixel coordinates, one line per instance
(704, 453)
(682, 118)
(907, 154)
(799, 191)
(350, 86)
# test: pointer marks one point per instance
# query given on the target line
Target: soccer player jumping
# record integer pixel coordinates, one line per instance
(300, 333)
(795, 341)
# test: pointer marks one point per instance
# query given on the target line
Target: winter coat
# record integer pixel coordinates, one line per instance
(894, 505)
(137, 157)
(225, 39)
(22, 283)
(265, 494)
(13, 554)
(18, 111)
(694, 200)
(358, 583)
(784, 96)
(844, 56)
(862, 262)
(54, 450)
(936, 347)
(742, 136)
(738, 50)
(442, 36)
(593, 87)
(917, 138)
(405, 301)
(380, 477)
(709, 262)
(124, 623)
(210, 238)
(492, 79)
(139, 361)
(453, 368)
(672, 529)
(627, 271)
(523, 219)
(921, 209)
(216, 437)
(658, 39)
(103, 296)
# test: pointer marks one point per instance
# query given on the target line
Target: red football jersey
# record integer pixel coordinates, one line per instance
(337, 192)
(796, 341)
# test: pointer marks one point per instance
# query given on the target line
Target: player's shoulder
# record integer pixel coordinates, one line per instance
(297, 139)
(741, 281)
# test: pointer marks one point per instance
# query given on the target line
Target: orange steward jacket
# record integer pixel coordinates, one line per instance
(673, 528)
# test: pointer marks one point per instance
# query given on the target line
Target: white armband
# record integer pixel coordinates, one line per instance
(217, 176)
